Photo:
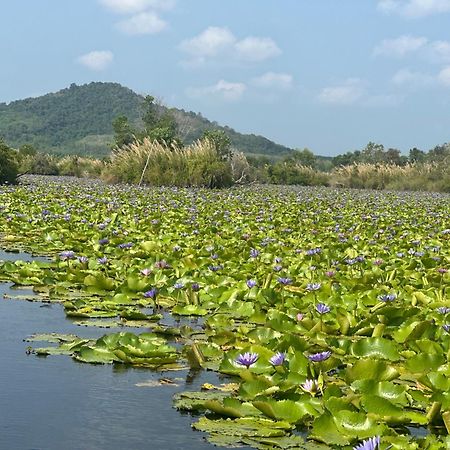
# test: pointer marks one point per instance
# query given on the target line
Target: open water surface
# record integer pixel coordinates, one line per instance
(56, 403)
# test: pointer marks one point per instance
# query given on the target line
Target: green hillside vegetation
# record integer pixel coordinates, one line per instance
(78, 120)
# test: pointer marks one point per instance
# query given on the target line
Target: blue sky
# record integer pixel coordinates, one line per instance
(330, 75)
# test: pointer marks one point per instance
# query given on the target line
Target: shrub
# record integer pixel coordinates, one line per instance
(8, 165)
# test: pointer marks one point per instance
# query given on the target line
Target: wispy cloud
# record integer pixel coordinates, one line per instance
(256, 48)
(142, 23)
(215, 42)
(406, 77)
(97, 60)
(444, 76)
(400, 46)
(274, 80)
(413, 9)
(223, 90)
(136, 6)
(346, 93)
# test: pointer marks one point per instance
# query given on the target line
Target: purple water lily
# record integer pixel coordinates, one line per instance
(278, 359)
(321, 308)
(311, 386)
(146, 272)
(103, 260)
(178, 285)
(372, 443)
(103, 241)
(195, 287)
(254, 253)
(446, 327)
(387, 297)
(83, 259)
(152, 293)
(313, 286)
(67, 254)
(443, 310)
(284, 281)
(251, 283)
(247, 359)
(319, 357)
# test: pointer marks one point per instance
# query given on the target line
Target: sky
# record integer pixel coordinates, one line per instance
(328, 75)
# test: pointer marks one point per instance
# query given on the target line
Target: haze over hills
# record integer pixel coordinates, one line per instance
(79, 120)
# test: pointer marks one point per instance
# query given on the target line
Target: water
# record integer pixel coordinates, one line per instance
(55, 403)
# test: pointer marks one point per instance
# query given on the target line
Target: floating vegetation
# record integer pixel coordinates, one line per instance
(328, 309)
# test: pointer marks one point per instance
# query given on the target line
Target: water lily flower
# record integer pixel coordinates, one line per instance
(251, 283)
(162, 264)
(152, 293)
(146, 272)
(442, 270)
(319, 357)
(195, 287)
(372, 443)
(178, 285)
(311, 386)
(278, 359)
(299, 317)
(321, 308)
(387, 297)
(313, 286)
(254, 253)
(103, 241)
(247, 359)
(443, 310)
(284, 281)
(83, 259)
(103, 260)
(277, 268)
(330, 273)
(67, 254)
(446, 327)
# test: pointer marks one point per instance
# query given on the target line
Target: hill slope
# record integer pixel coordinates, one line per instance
(78, 120)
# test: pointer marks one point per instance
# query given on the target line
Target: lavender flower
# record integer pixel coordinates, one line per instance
(195, 287)
(103, 260)
(162, 264)
(443, 310)
(387, 297)
(178, 285)
(277, 268)
(146, 272)
(313, 286)
(254, 253)
(321, 308)
(369, 444)
(125, 245)
(278, 359)
(251, 283)
(247, 359)
(83, 259)
(442, 270)
(330, 273)
(103, 241)
(152, 293)
(299, 317)
(319, 357)
(446, 327)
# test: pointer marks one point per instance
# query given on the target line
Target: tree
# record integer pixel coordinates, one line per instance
(373, 153)
(416, 155)
(304, 157)
(8, 164)
(123, 133)
(220, 141)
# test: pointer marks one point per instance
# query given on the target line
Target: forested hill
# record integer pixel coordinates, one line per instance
(78, 120)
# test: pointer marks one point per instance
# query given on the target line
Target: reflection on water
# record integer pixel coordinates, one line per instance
(21, 256)
(54, 403)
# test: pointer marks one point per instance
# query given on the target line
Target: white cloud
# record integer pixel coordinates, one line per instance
(274, 80)
(444, 76)
(256, 48)
(208, 43)
(440, 51)
(346, 93)
(96, 60)
(224, 90)
(136, 6)
(406, 77)
(414, 8)
(142, 23)
(217, 42)
(400, 46)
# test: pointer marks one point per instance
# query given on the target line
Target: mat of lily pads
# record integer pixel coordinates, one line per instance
(327, 311)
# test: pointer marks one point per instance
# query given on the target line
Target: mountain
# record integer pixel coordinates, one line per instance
(78, 120)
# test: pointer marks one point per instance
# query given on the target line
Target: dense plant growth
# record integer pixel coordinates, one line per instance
(328, 309)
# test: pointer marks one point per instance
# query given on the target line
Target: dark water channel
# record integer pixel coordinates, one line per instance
(55, 403)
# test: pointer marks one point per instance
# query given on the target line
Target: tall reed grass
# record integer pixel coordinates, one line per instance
(155, 164)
